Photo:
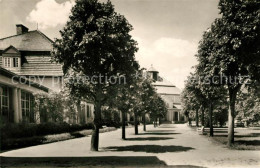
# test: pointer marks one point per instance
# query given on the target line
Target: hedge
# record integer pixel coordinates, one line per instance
(22, 130)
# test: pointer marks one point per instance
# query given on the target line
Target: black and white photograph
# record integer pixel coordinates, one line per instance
(130, 83)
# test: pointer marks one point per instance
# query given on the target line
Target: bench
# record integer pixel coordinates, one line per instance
(201, 131)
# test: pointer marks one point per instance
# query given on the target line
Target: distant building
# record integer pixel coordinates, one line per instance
(169, 93)
(27, 54)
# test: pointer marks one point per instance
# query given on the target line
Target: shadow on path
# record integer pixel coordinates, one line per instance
(104, 161)
(81, 161)
(238, 136)
(249, 135)
(158, 133)
(255, 128)
(150, 148)
(148, 139)
(249, 142)
(158, 130)
(166, 127)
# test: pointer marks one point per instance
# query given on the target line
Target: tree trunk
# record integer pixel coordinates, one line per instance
(197, 117)
(159, 121)
(189, 120)
(95, 132)
(210, 119)
(231, 114)
(123, 124)
(136, 124)
(202, 117)
(95, 138)
(154, 122)
(144, 122)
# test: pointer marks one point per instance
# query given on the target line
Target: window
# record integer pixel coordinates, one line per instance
(88, 111)
(11, 62)
(31, 117)
(5, 101)
(7, 62)
(27, 107)
(15, 62)
(83, 114)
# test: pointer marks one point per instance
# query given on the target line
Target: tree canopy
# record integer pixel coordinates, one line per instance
(96, 50)
(229, 53)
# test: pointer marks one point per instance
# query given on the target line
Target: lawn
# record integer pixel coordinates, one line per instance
(245, 138)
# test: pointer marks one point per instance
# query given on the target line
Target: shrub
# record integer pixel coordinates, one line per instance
(133, 122)
(29, 130)
(110, 123)
(21, 142)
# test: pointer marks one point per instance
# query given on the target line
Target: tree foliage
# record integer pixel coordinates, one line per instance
(229, 53)
(248, 104)
(95, 43)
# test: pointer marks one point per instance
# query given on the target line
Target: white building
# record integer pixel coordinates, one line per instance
(169, 93)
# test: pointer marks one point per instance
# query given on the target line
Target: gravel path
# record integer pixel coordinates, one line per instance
(169, 145)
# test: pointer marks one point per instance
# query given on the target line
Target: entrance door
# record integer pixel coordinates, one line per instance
(175, 116)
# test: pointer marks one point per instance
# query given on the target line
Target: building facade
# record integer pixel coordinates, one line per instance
(16, 97)
(169, 93)
(27, 55)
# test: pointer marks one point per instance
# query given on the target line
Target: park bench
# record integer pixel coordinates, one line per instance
(205, 131)
(201, 131)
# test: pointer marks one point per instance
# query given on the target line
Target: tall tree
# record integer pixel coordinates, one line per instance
(125, 103)
(192, 96)
(232, 51)
(158, 109)
(146, 97)
(95, 47)
(201, 93)
(137, 92)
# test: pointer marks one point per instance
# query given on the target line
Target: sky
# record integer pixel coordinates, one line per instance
(167, 31)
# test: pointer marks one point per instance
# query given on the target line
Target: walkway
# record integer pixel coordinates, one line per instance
(167, 145)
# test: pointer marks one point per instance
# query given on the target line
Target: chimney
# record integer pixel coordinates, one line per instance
(21, 29)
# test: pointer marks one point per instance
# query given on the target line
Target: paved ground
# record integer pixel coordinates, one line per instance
(167, 145)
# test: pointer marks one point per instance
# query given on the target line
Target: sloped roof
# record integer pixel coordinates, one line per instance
(178, 106)
(152, 69)
(167, 90)
(40, 65)
(26, 81)
(166, 87)
(163, 82)
(31, 41)
(11, 49)
(172, 100)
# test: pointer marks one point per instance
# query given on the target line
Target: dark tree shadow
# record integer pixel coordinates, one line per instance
(239, 136)
(219, 135)
(148, 139)
(77, 134)
(160, 130)
(150, 148)
(81, 161)
(248, 142)
(166, 127)
(251, 135)
(158, 133)
(257, 128)
(102, 161)
(218, 131)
